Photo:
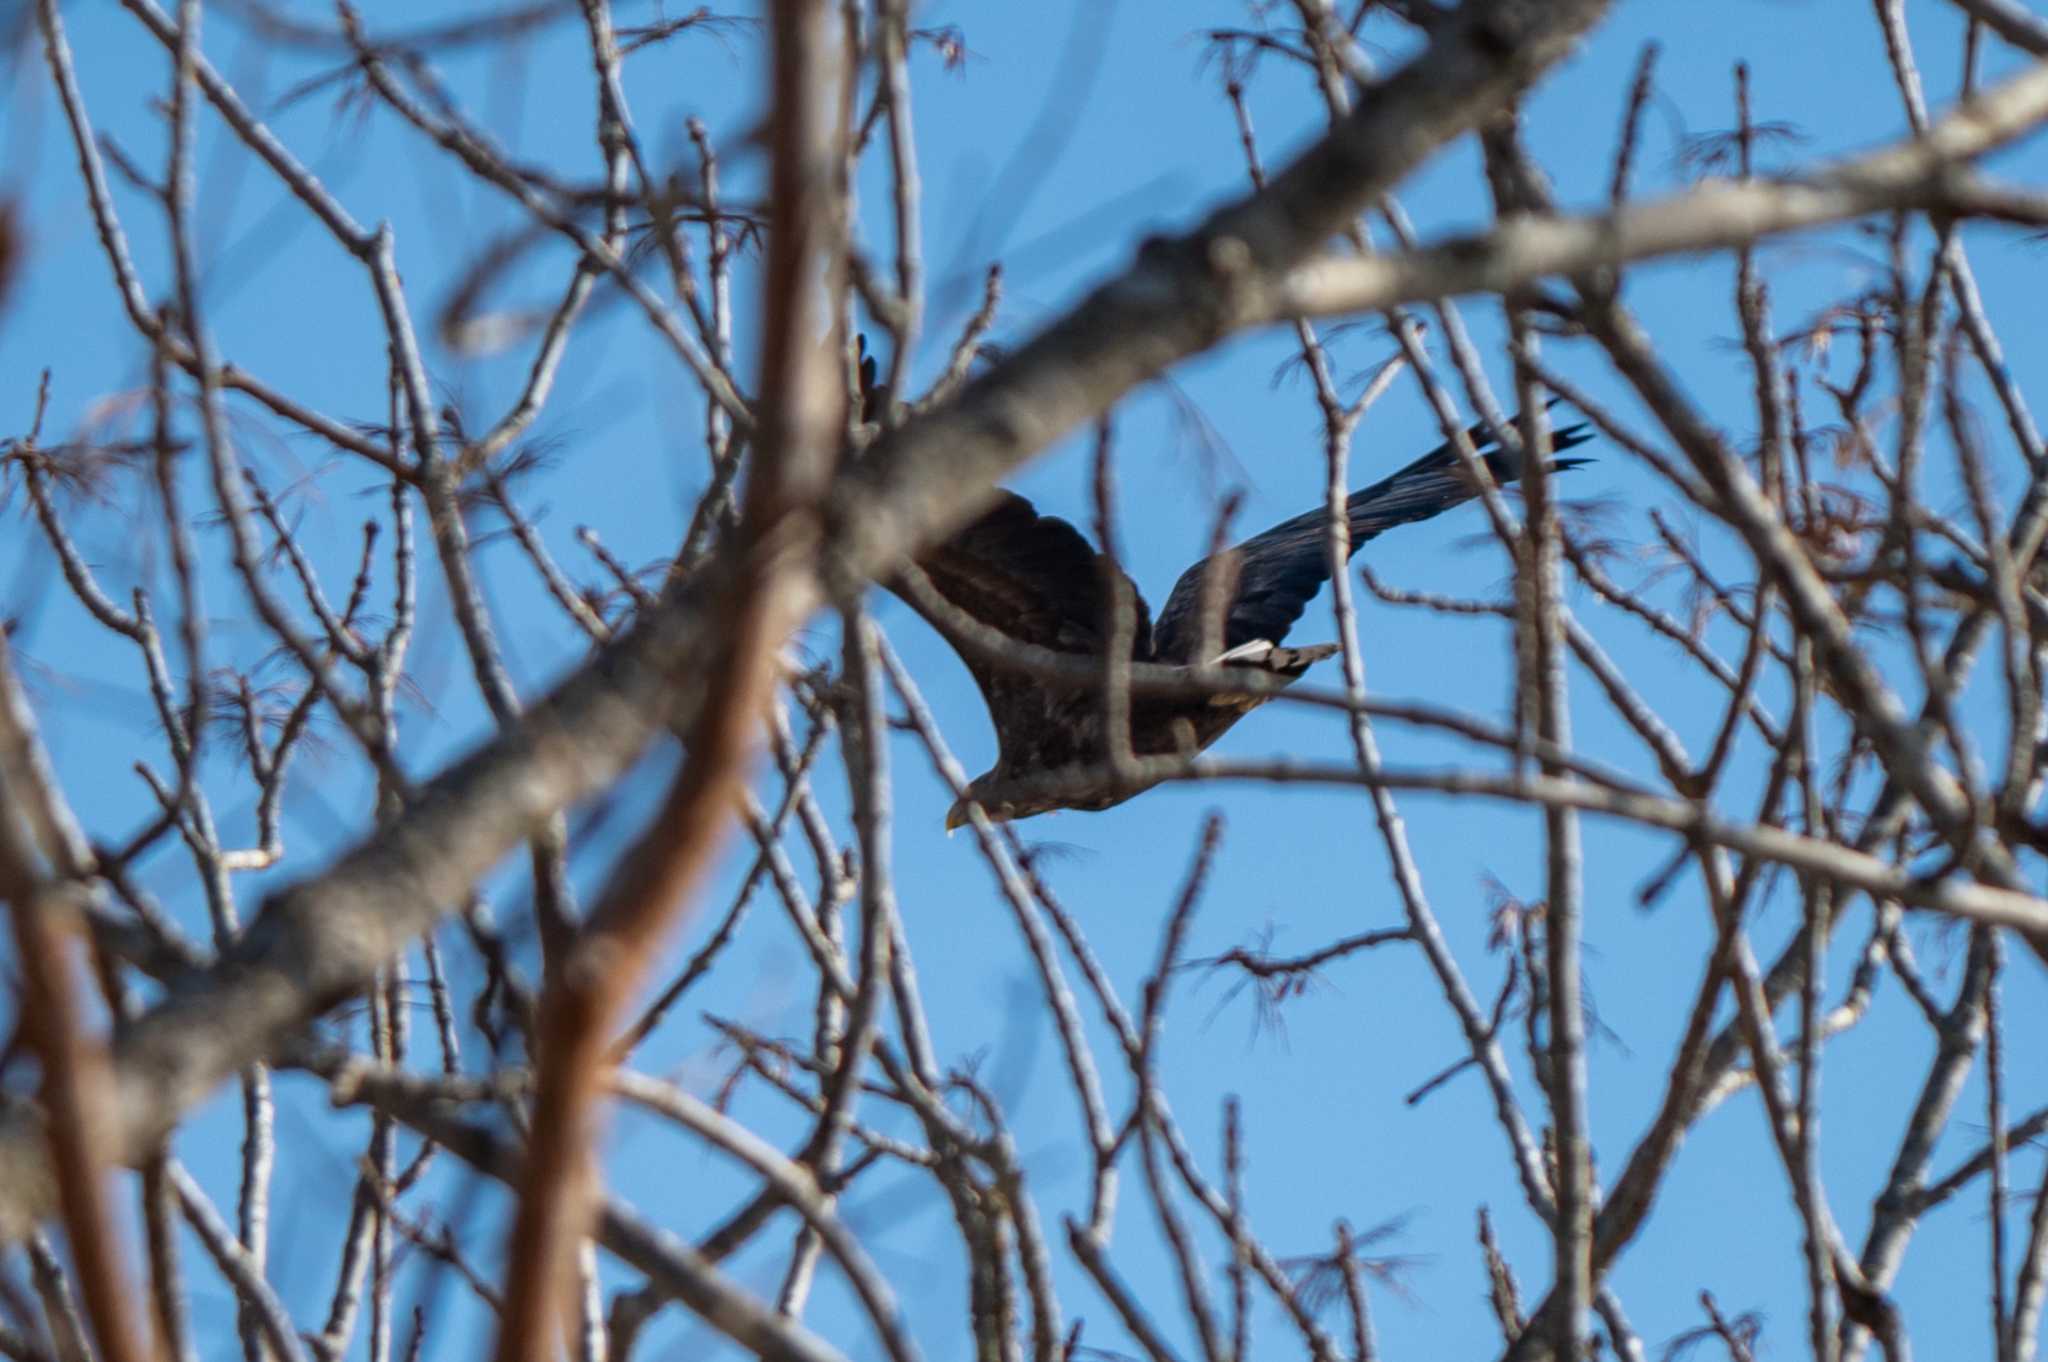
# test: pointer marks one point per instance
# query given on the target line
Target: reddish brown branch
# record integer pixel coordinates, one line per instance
(77, 1088)
(769, 588)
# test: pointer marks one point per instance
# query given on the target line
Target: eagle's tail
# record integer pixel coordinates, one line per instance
(1269, 656)
(1262, 654)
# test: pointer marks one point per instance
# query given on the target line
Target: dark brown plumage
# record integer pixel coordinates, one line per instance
(1035, 579)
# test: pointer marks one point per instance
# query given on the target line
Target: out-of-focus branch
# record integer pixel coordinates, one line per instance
(238, 1266)
(1925, 173)
(1827, 556)
(322, 940)
(1854, 869)
(38, 870)
(2017, 25)
(1184, 294)
(764, 596)
(672, 1267)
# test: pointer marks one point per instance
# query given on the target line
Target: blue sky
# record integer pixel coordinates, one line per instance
(1141, 141)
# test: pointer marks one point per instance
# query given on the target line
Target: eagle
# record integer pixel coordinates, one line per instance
(1035, 579)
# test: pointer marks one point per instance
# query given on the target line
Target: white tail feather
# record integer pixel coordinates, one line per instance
(1270, 656)
(1258, 650)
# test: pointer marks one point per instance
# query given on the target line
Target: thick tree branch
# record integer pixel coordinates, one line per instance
(321, 941)
(1925, 173)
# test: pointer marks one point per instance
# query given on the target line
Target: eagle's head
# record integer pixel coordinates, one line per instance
(995, 810)
(958, 816)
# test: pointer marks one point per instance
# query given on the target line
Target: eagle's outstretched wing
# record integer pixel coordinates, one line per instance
(1270, 578)
(1033, 578)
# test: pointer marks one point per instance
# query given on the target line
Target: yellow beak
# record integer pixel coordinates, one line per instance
(957, 817)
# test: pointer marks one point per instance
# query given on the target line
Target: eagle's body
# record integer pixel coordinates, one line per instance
(1035, 579)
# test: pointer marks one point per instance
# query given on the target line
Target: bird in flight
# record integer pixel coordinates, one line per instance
(1034, 579)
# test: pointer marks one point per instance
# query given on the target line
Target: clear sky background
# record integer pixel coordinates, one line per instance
(1070, 132)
